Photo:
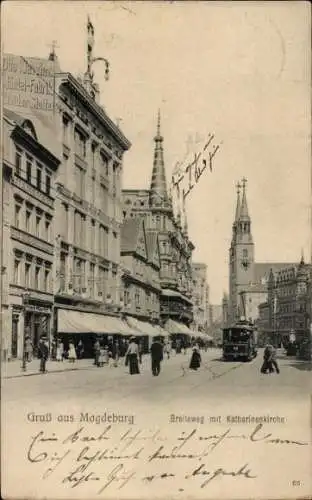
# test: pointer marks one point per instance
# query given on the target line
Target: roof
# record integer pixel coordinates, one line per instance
(262, 269)
(44, 129)
(256, 288)
(129, 234)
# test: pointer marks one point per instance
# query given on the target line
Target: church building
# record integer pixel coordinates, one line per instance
(248, 280)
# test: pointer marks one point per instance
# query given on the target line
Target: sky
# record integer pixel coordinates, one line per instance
(238, 70)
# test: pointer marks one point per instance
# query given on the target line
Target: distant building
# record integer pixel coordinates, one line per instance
(247, 278)
(200, 298)
(29, 170)
(140, 276)
(155, 207)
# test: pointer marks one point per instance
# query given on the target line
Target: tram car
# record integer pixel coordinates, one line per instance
(239, 342)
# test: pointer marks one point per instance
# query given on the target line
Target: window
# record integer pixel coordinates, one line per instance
(63, 264)
(38, 223)
(104, 164)
(104, 199)
(46, 286)
(65, 222)
(92, 236)
(80, 143)
(65, 129)
(245, 252)
(48, 184)
(17, 216)
(37, 277)
(28, 169)
(47, 226)
(92, 278)
(16, 272)
(27, 274)
(39, 177)
(93, 155)
(28, 220)
(80, 182)
(18, 162)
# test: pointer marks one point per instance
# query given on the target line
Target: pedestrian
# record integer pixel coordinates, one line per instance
(72, 356)
(43, 352)
(167, 348)
(96, 352)
(195, 358)
(132, 357)
(274, 360)
(28, 349)
(103, 356)
(140, 351)
(267, 360)
(156, 356)
(59, 351)
(80, 349)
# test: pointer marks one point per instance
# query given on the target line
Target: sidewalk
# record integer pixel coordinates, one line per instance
(13, 369)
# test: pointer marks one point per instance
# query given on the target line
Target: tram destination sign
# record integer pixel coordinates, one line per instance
(28, 84)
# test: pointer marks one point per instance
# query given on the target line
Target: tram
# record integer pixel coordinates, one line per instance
(239, 342)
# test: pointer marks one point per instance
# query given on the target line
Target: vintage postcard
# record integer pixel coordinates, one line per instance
(156, 250)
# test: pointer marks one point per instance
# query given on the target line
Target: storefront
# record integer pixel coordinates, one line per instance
(74, 326)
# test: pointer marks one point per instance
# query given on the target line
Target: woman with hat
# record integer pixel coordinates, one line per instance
(196, 358)
(132, 357)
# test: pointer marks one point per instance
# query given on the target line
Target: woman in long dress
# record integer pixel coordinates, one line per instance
(72, 356)
(59, 351)
(195, 359)
(132, 357)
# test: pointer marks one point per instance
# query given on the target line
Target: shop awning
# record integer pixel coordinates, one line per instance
(176, 327)
(145, 328)
(70, 321)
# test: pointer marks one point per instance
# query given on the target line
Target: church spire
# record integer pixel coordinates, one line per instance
(158, 188)
(238, 203)
(244, 208)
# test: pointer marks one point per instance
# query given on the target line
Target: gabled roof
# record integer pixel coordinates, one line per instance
(262, 269)
(131, 232)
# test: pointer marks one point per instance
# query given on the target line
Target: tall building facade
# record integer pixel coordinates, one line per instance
(289, 298)
(248, 279)
(200, 298)
(88, 208)
(155, 207)
(28, 175)
(140, 275)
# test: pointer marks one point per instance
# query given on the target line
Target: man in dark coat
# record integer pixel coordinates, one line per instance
(156, 356)
(43, 351)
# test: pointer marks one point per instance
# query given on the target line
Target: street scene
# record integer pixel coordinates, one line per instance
(156, 249)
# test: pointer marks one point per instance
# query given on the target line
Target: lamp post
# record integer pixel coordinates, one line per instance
(25, 301)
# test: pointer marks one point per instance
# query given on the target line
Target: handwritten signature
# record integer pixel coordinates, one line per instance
(195, 168)
(86, 457)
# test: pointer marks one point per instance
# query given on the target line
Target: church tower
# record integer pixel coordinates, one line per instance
(241, 258)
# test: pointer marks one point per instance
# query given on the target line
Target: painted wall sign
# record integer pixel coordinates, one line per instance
(28, 84)
(187, 173)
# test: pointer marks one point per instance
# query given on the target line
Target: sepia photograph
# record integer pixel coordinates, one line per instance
(156, 250)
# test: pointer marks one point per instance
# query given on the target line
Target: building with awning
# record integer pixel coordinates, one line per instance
(175, 327)
(77, 322)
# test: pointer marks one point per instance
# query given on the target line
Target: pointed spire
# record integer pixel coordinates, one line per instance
(238, 205)
(244, 208)
(302, 257)
(158, 189)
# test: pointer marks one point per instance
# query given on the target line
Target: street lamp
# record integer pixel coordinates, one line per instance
(25, 301)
